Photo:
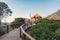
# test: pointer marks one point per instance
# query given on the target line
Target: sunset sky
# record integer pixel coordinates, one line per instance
(23, 8)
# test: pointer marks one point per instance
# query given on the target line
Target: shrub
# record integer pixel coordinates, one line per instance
(1, 32)
(45, 29)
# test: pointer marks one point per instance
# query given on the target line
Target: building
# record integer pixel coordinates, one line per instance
(36, 17)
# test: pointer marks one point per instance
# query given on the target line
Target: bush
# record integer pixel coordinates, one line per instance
(45, 29)
(1, 32)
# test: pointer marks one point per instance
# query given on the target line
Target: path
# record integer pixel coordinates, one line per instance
(13, 35)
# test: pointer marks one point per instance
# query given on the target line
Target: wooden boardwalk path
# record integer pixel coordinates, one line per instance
(12, 35)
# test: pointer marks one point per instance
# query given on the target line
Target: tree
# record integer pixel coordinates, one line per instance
(4, 11)
(18, 20)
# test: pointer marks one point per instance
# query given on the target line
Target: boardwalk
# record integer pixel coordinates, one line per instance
(13, 35)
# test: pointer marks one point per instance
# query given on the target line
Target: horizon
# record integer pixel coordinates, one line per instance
(23, 8)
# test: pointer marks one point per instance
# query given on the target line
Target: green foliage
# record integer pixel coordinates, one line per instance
(45, 29)
(1, 32)
(17, 20)
(4, 10)
(58, 32)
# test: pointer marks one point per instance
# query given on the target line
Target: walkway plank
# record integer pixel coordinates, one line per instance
(13, 35)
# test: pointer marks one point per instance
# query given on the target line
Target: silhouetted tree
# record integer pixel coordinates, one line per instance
(4, 11)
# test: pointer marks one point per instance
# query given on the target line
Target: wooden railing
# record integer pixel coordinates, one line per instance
(23, 34)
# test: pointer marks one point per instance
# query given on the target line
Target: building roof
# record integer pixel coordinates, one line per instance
(37, 15)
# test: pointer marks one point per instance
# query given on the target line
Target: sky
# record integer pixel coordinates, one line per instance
(23, 8)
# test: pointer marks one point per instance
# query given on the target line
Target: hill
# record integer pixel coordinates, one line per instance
(54, 16)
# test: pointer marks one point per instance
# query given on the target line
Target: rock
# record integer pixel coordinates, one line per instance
(54, 16)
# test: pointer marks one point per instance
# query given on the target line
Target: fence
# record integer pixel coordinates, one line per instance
(23, 34)
(6, 28)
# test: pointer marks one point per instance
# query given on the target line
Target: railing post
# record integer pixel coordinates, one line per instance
(7, 28)
(24, 37)
(20, 32)
(23, 33)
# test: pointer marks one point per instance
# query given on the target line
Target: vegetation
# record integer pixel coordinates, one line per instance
(1, 32)
(4, 11)
(46, 30)
(18, 20)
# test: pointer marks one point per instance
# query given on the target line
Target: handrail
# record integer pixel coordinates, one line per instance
(24, 33)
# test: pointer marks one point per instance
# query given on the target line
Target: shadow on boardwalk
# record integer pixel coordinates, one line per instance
(12, 35)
